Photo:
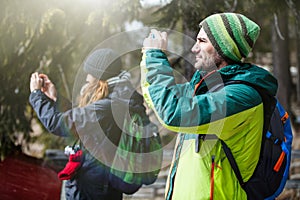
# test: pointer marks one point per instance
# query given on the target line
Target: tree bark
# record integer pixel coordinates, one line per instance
(297, 25)
(281, 60)
(188, 67)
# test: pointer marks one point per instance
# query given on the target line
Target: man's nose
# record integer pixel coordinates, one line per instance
(195, 48)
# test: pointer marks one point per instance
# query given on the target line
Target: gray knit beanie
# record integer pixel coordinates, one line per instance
(103, 64)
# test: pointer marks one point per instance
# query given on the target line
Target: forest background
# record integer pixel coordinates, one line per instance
(55, 36)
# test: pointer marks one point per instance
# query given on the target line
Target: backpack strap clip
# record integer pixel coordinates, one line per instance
(273, 138)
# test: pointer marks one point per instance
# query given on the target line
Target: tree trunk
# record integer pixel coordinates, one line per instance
(188, 66)
(297, 27)
(281, 61)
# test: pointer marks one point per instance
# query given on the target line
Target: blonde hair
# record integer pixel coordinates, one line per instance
(94, 91)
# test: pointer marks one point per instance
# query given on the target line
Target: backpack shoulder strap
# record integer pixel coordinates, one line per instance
(233, 163)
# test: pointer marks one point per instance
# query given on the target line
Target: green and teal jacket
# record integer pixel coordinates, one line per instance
(234, 113)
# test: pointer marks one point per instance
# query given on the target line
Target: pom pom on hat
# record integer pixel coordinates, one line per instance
(232, 35)
(103, 64)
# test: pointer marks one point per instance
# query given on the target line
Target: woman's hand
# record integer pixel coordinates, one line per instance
(48, 87)
(36, 82)
(42, 82)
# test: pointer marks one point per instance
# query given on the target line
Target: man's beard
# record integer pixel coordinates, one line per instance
(210, 62)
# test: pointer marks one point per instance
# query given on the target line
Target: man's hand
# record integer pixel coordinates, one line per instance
(156, 40)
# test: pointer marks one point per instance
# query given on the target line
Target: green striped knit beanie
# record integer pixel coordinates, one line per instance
(232, 35)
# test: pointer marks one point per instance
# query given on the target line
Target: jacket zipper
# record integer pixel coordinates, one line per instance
(203, 79)
(212, 177)
(174, 168)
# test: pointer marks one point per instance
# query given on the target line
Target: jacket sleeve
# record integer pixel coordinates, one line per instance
(62, 123)
(177, 108)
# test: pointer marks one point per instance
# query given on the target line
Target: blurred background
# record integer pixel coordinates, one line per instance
(55, 36)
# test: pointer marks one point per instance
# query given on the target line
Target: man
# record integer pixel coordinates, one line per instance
(201, 109)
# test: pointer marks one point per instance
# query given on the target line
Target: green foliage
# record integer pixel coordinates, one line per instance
(182, 14)
(192, 11)
(51, 37)
(54, 37)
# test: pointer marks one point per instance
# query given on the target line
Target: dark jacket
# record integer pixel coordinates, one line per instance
(98, 126)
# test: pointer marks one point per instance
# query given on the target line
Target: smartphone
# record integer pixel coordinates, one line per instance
(43, 82)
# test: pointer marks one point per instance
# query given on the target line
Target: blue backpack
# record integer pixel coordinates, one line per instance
(272, 170)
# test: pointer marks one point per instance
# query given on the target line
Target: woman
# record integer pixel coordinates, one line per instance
(96, 121)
